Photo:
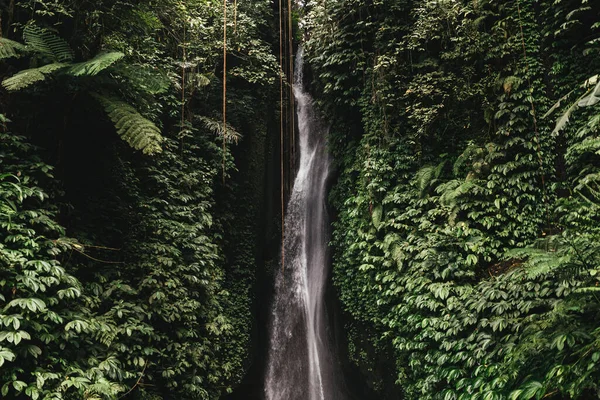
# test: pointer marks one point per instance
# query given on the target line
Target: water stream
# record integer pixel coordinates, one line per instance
(301, 364)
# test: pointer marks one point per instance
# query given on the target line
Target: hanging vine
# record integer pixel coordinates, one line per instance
(224, 86)
(281, 136)
(291, 80)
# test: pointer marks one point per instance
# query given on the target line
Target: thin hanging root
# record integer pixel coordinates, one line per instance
(184, 59)
(235, 17)
(281, 136)
(224, 83)
(291, 77)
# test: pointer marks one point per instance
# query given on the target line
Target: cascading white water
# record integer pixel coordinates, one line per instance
(301, 364)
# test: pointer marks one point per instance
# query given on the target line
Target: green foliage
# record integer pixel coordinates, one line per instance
(40, 299)
(231, 135)
(97, 64)
(151, 295)
(465, 247)
(589, 98)
(10, 48)
(28, 77)
(139, 132)
(47, 44)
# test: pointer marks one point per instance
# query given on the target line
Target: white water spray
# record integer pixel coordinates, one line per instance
(301, 364)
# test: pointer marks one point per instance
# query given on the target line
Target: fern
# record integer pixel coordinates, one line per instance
(591, 184)
(589, 98)
(592, 98)
(452, 190)
(564, 119)
(428, 176)
(141, 133)
(28, 77)
(541, 262)
(231, 136)
(96, 64)
(465, 159)
(91, 67)
(46, 43)
(567, 255)
(10, 48)
(199, 80)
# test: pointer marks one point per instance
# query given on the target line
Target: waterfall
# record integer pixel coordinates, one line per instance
(301, 364)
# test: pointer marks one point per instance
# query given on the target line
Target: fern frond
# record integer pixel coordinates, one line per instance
(96, 64)
(428, 176)
(45, 42)
(564, 119)
(198, 80)
(592, 98)
(28, 77)
(590, 145)
(10, 48)
(541, 263)
(465, 158)
(232, 136)
(557, 104)
(23, 79)
(141, 133)
(589, 98)
(566, 255)
(451, 191)
(589, 189)
(425, 176)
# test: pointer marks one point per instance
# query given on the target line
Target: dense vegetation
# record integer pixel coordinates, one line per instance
(127, 263)
(135, 223)
(466, 246)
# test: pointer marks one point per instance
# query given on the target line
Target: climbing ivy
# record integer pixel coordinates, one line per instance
(465, 244)
(120, 275)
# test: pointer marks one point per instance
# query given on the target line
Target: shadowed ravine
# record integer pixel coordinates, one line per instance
(301, 364)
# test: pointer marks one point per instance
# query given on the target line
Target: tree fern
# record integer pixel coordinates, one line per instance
(91, 67)
(46, 43)
(10, 48)
(28, 77)
(141, 133)
(96, 64)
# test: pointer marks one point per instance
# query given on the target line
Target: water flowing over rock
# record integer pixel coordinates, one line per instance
(301, 363)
